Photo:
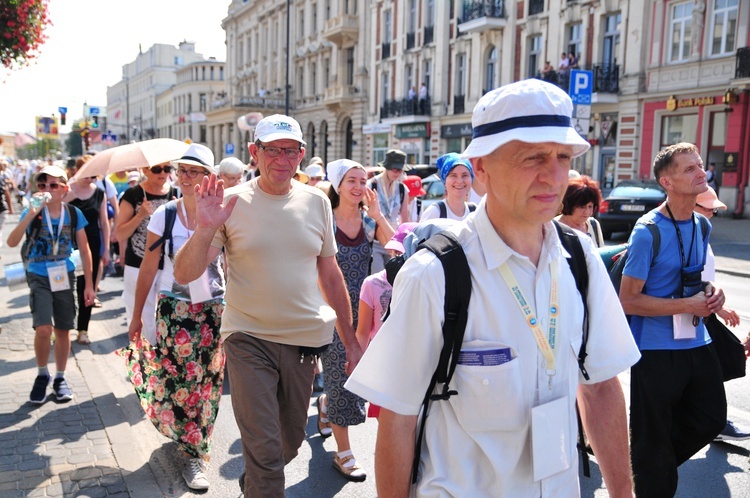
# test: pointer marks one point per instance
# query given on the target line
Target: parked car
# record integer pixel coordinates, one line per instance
(626, 203)
(435, 191)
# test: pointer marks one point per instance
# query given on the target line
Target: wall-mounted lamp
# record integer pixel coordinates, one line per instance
(730, 97)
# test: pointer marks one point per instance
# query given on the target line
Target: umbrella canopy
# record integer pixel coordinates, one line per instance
(131, 156)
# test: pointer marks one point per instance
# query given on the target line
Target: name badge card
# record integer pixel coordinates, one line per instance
(200, 289)
(550, 430)
(58, 276)
(682, 326)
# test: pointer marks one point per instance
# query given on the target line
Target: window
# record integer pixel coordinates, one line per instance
(676, 129)
(314, 78)
(408, 78)
(202, 134)
(611, 38)
(535, 54)
(679, 31)
(489, 73)
(350, 66)
(203, 102)
(412, 16)
(326, 72)
(328, 9)
(302, 22)
(387, 26)
(427, 75)
(724, 27)
(212, 73)
(221, 73)
(386, 87)
(460, 74)
(314, 17)
(574, 38)
(301, 83)
(430, 13)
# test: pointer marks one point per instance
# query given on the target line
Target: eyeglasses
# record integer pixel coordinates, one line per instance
(276, 151)
(51, 186)
(715, 211)
(158, 169)
(191, 173)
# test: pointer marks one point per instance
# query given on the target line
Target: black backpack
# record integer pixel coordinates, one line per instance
(170, 213)
(443, 206)
(32, 234)
(448, 250)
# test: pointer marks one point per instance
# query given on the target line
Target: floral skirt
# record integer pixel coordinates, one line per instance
(179, 380)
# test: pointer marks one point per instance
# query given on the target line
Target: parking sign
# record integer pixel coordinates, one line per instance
(229, 149)
(581, 86)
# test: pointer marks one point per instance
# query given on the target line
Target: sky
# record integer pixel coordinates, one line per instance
(89, 42)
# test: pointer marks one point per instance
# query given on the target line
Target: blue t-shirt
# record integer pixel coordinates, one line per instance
(43, 245)
(663, 277)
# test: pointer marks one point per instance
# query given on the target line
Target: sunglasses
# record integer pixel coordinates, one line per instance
(715, 211)
(51, 186)
(159, 169)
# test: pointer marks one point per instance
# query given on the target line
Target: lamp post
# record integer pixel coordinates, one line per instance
(288, 15)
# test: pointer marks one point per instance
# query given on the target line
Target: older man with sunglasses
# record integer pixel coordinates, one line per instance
(285, 292)
(137, 205)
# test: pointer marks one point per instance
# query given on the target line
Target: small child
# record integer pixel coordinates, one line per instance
(375, 297)
(50, 275)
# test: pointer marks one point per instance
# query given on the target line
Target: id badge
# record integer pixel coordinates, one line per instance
(58, 276)
(550, 433)
(682, 326)
(200, 289)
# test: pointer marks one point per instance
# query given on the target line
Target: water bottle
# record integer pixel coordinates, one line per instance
(37, 201)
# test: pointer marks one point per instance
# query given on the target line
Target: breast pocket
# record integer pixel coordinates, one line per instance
(489, 397)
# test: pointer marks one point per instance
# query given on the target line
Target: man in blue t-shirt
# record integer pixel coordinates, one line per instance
(51, 275)
(677, 399)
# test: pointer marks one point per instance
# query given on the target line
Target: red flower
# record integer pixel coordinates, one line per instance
(193, 399)
(190, 367)
(181, 337)
(22, 25)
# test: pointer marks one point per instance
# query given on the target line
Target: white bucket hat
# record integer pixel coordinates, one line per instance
(532, 111)
(197, 155)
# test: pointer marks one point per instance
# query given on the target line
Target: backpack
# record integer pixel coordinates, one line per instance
(32, 234)
(615, 274)
(448, 250)
(170, 213)
(443, 206)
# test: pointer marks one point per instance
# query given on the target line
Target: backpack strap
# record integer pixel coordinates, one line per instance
(170, 214)
(472, 206)
(443, 209)
(73, 223)
(402, 191)
(456, 311)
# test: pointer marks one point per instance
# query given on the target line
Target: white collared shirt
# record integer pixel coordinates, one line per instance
(477, 443)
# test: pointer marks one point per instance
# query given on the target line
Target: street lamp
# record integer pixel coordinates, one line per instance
(286, 86)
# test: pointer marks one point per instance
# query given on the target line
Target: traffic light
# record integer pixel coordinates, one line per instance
(62, 118)
(95, 123)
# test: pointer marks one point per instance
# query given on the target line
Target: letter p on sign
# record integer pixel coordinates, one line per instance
(581, 86)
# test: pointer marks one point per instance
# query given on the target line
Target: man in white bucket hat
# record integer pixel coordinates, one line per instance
(512, 426)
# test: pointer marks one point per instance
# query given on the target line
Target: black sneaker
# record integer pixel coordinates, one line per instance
(732, 433)
(62, 391)
(39, 391)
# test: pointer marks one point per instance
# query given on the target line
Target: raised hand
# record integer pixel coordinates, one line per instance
(371, 203)
(209, 197)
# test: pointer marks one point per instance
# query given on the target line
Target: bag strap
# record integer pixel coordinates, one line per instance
(170, 214)
(443, 209)
(456, 310)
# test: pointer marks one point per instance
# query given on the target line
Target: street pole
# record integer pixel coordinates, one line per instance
(127, 108)
(288, 15)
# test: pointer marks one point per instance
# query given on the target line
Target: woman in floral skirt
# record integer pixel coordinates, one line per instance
(179, 379)
(355, 227)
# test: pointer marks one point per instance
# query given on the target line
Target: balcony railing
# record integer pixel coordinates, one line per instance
(410, 39)
(385, 51)
(429, 34)
(405, 107)
(477, 9)
(458, 104)
(606, 78)
(743, 63)
(536, 7)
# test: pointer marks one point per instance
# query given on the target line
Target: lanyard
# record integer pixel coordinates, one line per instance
(546, 344)
(56, 240)
(679, 237)
(184, 215)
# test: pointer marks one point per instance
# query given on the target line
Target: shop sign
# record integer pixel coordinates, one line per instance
(456, 130)
(730, 161)
(673, 103)
(370, 129)
(411, 145)
(380, 141)
(414, 130)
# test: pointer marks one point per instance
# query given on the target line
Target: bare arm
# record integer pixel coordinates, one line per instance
(193, 258)
(603, 413)
(129, 220)
(364, 324)
(18, 232)
(104, 227)
(85, 252)
(404, 211)
(333, 287)
(9, 199)
(635, 302)
(394, 452)
(146, 275)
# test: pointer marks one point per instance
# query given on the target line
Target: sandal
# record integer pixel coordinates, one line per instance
(353, 472)
(83, 337)
(324, 425)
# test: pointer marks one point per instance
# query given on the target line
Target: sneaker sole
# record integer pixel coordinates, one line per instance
(38, 402)
(196, 487)
(64, 397)
(731, 438)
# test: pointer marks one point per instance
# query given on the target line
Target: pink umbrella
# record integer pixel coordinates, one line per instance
(132, 156)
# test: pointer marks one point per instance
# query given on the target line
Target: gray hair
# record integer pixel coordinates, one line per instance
(231, 166)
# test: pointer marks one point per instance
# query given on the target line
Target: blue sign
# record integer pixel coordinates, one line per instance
(108, 136)
(229, 149)
(62, 110)
(581, 86)
(94, 111)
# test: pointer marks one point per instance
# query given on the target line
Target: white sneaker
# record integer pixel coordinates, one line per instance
(193, 474)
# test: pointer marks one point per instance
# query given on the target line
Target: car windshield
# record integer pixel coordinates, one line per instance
(631, 191)
(435, 190)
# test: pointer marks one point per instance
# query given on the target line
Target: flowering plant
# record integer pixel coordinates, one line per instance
(22, 24)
